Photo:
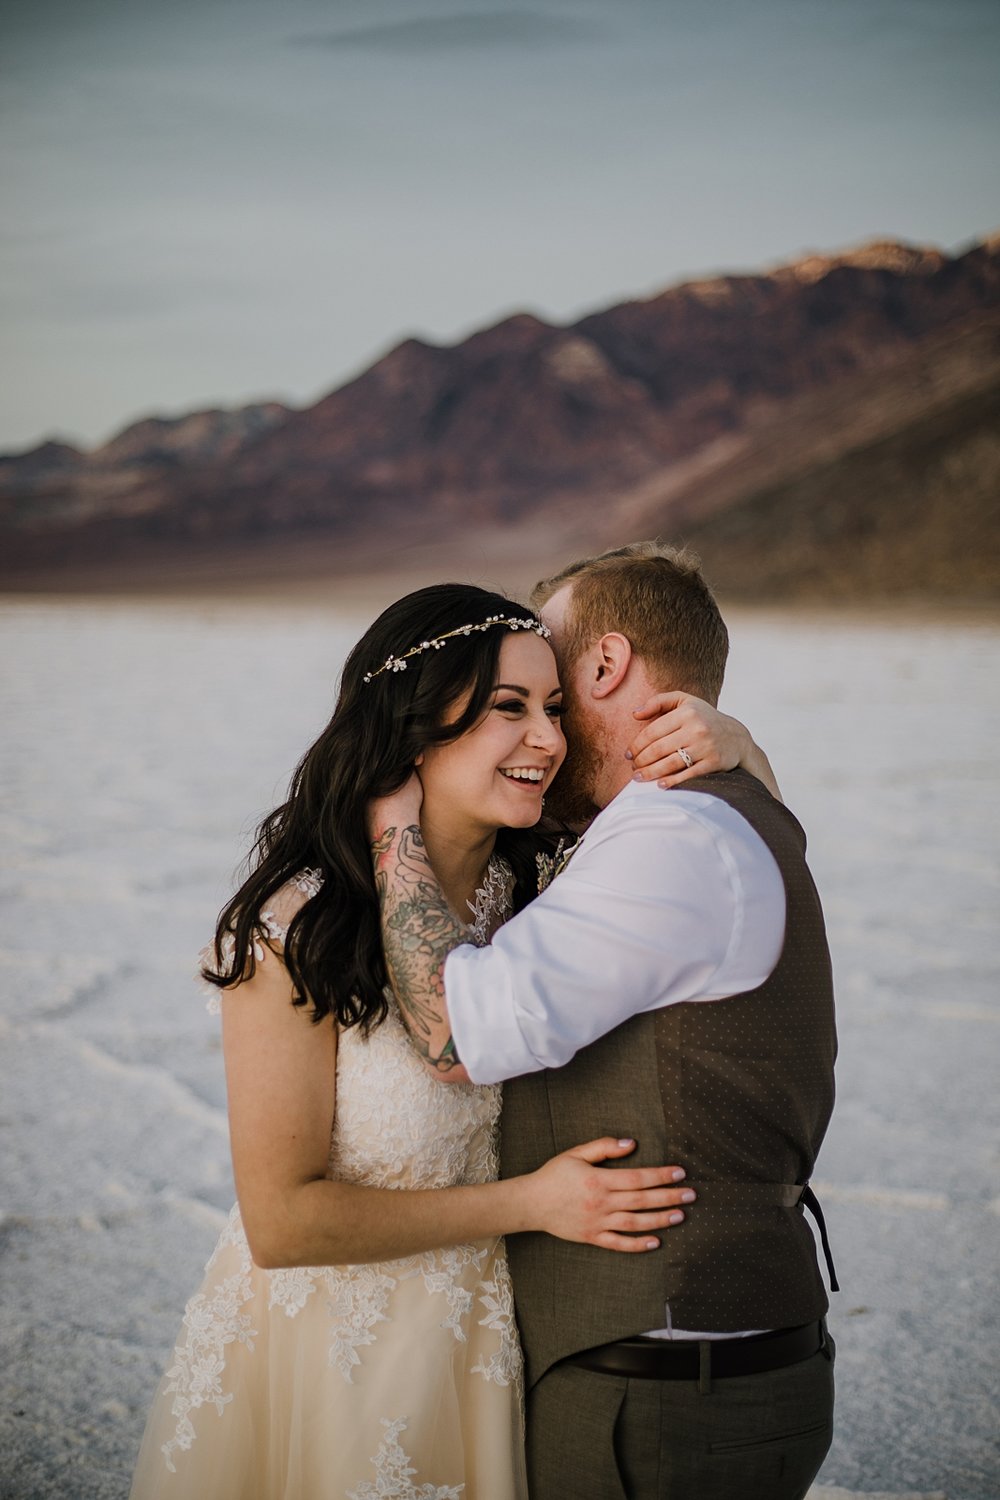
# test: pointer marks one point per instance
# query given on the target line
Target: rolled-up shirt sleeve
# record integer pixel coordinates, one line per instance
(671, 897)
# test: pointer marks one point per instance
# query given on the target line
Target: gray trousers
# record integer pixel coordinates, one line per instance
(747, 1437)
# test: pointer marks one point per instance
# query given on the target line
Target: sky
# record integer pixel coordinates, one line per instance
(211, 202)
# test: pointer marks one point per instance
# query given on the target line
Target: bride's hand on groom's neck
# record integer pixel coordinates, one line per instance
(683, 737)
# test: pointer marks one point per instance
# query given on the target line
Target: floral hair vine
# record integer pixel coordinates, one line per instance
(512, 622)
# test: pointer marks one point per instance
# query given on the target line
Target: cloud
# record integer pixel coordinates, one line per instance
(520, 29)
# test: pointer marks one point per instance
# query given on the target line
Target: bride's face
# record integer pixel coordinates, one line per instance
(495, 775)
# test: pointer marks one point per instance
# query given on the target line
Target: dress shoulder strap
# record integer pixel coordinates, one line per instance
(275, 920)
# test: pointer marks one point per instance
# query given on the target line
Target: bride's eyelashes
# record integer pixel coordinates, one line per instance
(515, 705)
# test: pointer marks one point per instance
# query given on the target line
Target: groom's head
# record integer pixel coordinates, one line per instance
(625, 624)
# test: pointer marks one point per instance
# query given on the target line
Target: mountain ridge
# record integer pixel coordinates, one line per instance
(528, 419)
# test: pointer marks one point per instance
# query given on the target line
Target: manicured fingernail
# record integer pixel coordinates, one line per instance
(676, 1218)
(629, 755)
(678, 1174)
(628, 1141)
(688, 1196)
(652, 1244)
(638, 776)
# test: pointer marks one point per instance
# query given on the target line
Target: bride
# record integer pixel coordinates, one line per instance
(354, 1333)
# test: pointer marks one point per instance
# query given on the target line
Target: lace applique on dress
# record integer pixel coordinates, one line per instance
(441, 1270)
(212, 1320)
(551, 865)
(359, 1297)
(307, 883)
(357, 1303)
(492, 902)
(290, 1287)
(497, 1296)
(394, 1473)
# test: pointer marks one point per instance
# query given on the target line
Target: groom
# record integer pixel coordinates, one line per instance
(671, 985)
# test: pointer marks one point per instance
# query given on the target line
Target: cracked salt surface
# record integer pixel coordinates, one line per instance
(142, 742)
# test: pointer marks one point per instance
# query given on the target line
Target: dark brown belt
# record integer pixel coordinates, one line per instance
(715, 1359)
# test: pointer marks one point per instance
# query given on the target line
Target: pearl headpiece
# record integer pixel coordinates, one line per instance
(512, 622)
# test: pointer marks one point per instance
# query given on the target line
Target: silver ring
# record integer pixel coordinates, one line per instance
(686, 757)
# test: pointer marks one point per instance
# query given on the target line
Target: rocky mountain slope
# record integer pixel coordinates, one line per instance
(826, 429)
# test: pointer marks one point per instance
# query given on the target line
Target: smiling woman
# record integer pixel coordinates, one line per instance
(495, 775)
(355, 1330)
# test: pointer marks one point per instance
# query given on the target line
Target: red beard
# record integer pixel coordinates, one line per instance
(570, 798)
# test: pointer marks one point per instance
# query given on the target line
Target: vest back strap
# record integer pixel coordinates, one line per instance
(811, 1202)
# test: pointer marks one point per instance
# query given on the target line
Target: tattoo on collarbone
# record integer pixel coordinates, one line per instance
(418, 932)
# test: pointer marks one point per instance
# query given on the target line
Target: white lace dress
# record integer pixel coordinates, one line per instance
(393, 1380)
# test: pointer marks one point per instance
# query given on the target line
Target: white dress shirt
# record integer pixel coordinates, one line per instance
(670, 896)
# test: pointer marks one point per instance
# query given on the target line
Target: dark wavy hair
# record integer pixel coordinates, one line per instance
(333, 949)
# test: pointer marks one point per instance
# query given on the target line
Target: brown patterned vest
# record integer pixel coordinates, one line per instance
(739, 1093)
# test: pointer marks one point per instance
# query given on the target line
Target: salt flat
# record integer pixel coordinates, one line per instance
(141, 743)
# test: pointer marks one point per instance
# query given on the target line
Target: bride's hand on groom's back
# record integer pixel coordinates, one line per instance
(574, 1198)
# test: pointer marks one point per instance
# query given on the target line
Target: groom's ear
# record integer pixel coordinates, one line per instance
(613, 657)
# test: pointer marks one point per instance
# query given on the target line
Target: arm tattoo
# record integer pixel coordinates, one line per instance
(418, 932)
